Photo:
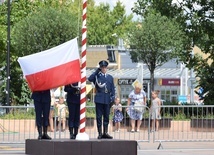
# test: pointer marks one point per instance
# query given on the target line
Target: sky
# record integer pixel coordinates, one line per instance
(128, 3)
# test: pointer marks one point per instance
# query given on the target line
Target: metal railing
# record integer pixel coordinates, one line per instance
(182, 123)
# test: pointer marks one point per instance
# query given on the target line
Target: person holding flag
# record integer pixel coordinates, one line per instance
(73, 102)
(42, 103)
(41, 77)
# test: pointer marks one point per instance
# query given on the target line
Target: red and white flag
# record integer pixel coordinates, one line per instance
(52, 68)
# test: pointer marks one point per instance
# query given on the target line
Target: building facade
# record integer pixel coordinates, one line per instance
(167, 78)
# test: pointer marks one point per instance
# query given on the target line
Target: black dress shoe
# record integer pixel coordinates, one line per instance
(106, 136)
(45, 136)
(99, 136)
(39, 137)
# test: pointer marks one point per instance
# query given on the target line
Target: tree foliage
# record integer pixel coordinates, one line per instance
(205, 74)
(155, 41)
(22, 28)
(19, 10)
(43, 30)
(104, 22)
(196, 18)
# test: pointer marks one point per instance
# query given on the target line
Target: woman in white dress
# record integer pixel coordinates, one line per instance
(155, 110)
(136, 95)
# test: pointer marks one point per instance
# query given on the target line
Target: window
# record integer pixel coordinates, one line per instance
(174, 92)
(110, 53)
(169, 95)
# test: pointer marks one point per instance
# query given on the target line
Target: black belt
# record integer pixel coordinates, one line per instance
(104, 92)
(76, 92)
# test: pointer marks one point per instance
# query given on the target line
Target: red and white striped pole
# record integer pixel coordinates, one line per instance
(82, 135)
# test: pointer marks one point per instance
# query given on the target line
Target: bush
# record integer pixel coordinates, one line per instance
(180, 116)
(19, 114)
(90, 110)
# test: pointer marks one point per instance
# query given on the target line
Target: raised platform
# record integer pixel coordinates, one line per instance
(76, 147)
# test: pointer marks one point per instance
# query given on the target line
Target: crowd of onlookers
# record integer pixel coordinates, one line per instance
(134, 113)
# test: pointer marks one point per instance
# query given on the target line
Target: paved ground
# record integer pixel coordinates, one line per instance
(176, 148)
(144, 148)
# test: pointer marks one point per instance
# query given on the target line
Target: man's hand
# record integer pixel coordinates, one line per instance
(98, 70)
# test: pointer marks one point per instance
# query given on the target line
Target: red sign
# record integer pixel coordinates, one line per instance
(169, 82)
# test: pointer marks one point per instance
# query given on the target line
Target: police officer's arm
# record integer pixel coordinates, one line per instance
(70, 89)
(92, 77)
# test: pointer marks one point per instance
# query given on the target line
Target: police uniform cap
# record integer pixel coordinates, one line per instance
(103, 63)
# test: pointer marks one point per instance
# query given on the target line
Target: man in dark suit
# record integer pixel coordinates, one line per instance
(105, 95)
(73, 102)
(42, 103)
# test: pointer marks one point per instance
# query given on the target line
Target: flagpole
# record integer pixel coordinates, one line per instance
(82, 135)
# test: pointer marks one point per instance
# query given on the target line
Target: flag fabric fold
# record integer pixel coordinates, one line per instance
(52, 68)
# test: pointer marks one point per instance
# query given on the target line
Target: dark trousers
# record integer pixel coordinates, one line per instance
(74, 115)
(42, 110)
(102, 110)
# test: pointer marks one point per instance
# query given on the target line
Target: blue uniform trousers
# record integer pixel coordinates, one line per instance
(74, 115)
(42, 113)
(102, 110)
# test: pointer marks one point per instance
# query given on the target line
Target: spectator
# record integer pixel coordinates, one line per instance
(136, 95)
(118, 115)
(62, 110)
(155, 110)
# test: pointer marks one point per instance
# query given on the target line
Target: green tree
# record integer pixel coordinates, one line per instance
(196, 19)
(205, 73)
(122, 24)
(43, 30)
(19, 11)
(155, 41)
(103, 22)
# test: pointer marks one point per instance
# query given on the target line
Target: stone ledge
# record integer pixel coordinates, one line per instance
(75, 147)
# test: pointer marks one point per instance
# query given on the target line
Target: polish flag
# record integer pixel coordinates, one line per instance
(52, 68)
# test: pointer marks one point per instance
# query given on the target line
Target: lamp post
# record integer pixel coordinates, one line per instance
(8, 55)
(192, 81)
(140, 72)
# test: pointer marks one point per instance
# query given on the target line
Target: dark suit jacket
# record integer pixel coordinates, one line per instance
(73, 94)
